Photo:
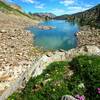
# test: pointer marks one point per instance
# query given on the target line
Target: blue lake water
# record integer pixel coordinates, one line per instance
(61, 37)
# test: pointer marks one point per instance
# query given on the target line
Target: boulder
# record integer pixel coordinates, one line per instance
(3, 31)
(45, 27)
(61, 50)
(92, 49)
(49, 54)
(68, 97)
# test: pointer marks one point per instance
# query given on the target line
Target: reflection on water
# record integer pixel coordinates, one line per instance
(62, 37)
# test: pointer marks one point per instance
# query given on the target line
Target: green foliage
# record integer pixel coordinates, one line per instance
(88, 70)
(54, 82)
(4, 6)
(53, 89)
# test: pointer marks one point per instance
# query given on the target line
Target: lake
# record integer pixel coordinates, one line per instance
(61, 37)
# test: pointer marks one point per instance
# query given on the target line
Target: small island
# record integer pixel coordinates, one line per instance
(42, 27)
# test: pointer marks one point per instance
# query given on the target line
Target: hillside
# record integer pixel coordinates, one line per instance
(4, 7)
(62, 17)
(16, 45)
(12, 9)
(89, 17)
(44, 16)
(14, 6)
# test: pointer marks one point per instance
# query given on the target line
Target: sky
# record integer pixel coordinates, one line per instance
(58, 7)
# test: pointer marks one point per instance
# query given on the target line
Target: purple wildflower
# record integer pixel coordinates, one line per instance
(98, 89)
(80, 97)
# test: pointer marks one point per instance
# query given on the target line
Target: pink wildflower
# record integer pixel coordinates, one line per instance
(80, 97)
(98, 89)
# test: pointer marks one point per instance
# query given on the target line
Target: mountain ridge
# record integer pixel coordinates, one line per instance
(44, 16)
(89, 17)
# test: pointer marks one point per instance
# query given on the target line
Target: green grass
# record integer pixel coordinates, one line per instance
(5, 7)
(87, 68)
(55, 82)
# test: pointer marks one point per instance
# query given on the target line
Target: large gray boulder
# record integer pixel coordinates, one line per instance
(92, 49)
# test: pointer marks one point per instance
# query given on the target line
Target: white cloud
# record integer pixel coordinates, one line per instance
(36, 3)
(74, 6)
(28, 1)
(75, 9)
(79, 8)
(40, 6)
(67, 2)
(7, 0)
(58, 11)
(70, 9)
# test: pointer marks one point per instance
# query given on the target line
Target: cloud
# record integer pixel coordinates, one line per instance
(79, 8)
(76, 9)
(28, 1)
(67, 2)
(40, 6)
(74, 6)
(71, 9)
(7, 1)
(58, 11)
(36, 3)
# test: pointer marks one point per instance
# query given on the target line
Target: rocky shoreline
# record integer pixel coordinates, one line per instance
(17, 51)
(88, 36)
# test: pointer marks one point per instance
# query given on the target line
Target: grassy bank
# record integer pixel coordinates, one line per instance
(80, 76)
(4, 7)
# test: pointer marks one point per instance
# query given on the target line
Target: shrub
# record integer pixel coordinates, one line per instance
(88, 70)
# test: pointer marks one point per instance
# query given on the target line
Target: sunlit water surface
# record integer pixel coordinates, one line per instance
(61, 37)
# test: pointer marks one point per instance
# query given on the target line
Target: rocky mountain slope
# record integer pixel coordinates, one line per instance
(16, 44)
(62, 17)
(89, 17)
(44, 16)
(14, 6)
(7, 8)
(12, 9)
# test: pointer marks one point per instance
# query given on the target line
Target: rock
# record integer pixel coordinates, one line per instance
(37, 88)
(61, 50)
(92, 49)
(88, 36)
(49, 54)
(45, 81)
(3, 31)
(68, 97)
(80, 97)
(45, 27)
(70, 73)
(12, 46)
(16, 52)
(5, 78)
